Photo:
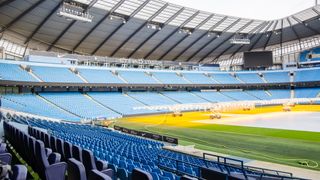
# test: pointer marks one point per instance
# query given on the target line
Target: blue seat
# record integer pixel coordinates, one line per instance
(168, 174)
(122, 174)
(155, 176)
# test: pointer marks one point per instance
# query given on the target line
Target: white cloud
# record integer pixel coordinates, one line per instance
(253, 9)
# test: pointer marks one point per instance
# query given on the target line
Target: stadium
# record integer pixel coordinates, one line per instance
(154, 90)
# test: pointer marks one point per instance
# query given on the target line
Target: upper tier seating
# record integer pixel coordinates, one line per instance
(169, 78)
(213, 96)
(55, 74)
(65, 74)
(198, 78)
(184, 97)
(80, 104)
(306, 92)
(276, 77)
(12, 72)
(152, 98)
(225, 78)
(249, 77)
(304, 55)
(307, 75)
(119, 102)
(30, 103)
(99, 76)
(137, 77)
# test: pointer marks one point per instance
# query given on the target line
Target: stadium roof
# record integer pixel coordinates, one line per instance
(181, 33)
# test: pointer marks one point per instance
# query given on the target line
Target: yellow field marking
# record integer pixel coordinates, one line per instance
(191, 119)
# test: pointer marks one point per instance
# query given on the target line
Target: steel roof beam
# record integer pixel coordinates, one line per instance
(294, 31)
(256, 29)
(270, 34)
(140, 28)
(7, 26)
(199, 38)
(231, 45)
(186, 36)
(155, 32)
(42, 23)
(226, 29)
(92, 3)
(171, 34)
(120, 26)
(61, 34)
(66, 29)
(115, 7)
(316, 11)
(3, 3)
(281, 37)
(308, 27)
(260, 36)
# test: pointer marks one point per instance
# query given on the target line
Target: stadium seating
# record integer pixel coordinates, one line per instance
(74, 106)
(31, 103)
(55, 74)
(249, 77)
(12, 72)
(238, 95)
(169, 78)
(225, 78)
(198, 78)
(307, 75)
(184, 97)
(99, 76)
(48, 166)
(276, 76)
(260, 94)
(213, 96)
(125, 154)
(306, 92)
(79, 104)
(63, 74)
(152, 98)
(280, 93)
(137, 77)
(304, 55)
(120, 103)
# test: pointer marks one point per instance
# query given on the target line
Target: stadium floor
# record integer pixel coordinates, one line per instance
(301, 121)
(271, 132)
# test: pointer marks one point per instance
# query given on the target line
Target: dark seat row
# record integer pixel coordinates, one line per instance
(44, 162)
(18, 171)
(68, 151)
(81, 162)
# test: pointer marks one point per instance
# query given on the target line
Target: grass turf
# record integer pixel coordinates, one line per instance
(273, 145)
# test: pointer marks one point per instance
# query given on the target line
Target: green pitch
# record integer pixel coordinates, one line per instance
(295, 148)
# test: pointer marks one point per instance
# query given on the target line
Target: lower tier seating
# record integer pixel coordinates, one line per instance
(117, 155)
(75, 106)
